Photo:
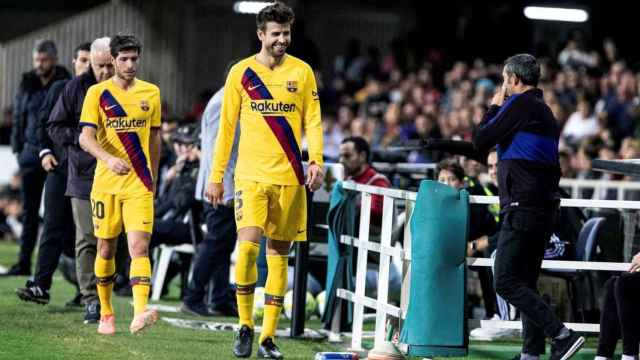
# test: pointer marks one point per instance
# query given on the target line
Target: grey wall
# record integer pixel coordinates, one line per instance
(188, 44)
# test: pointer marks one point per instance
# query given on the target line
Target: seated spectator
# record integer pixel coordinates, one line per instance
(582, 124)
(354, 157)
(171, 207)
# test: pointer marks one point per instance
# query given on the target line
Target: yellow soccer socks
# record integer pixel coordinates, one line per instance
(105, 270)
(274, 290)
(246, 277)
(140, 280)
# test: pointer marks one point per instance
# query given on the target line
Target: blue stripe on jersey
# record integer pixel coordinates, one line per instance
(532, 147)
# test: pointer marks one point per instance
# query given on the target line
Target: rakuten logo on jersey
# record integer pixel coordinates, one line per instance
(266, 107)
(124, 123)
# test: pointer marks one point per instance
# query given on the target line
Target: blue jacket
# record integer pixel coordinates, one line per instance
(526, 134)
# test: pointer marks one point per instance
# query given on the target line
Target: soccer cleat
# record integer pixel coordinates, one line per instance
(143, 320)
(243, 342)
(564, 349)
(269, 350)
(107, 325)
(92, 313)
(34, 293)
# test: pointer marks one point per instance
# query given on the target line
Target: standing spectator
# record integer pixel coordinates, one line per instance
(213, 258)
(32, 92)
(58, 230)
(64, 131)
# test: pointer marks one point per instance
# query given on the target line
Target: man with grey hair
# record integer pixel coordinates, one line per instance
(526, 134)
(25, 143)
(64, 131)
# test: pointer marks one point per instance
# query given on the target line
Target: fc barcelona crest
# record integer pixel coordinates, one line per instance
(144, 105)
(292, 86)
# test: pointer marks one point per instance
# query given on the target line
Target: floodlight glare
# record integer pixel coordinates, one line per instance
(555, 14)
(250, 7)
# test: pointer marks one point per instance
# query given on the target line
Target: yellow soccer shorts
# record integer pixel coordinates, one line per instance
(279, 210)
(111, 211)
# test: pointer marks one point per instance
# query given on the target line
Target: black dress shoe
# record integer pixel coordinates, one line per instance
(199, 309)
(18, 270)
(229, 309)
(243, 342)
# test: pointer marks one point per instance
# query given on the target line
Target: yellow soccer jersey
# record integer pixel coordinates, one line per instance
(123, 120)
(273, 107)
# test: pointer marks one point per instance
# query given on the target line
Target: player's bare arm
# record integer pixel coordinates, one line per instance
(89, 144)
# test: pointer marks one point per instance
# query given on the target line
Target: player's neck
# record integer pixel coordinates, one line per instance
(123, 84)
(264, 58)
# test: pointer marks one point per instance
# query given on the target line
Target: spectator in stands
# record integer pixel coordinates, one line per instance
(620, 317)
(581, 124)
(25, 143)
(176, 210)
(354, 157)
(213, 257)
(64, 132)
(58, 235)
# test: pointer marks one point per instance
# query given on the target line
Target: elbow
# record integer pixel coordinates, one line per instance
(82, 140)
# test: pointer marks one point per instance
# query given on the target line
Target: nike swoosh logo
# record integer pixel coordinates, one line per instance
(301, 231)
(110, 107)
(146, 222)
(254, 87)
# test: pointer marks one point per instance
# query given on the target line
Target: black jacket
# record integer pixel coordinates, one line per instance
(180, 196)
(63, 129)
(526, 134)
(25, 136)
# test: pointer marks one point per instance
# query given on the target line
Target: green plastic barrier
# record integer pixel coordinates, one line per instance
(436, 323)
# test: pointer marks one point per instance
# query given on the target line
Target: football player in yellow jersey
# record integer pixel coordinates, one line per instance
(274, 97)
(121, 127)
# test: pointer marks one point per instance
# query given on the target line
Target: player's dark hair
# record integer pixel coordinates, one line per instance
(278, 12)
(85, 46)
(46, 46)
(525, 67)
(126, 42)
(452, 166)
(360, 144)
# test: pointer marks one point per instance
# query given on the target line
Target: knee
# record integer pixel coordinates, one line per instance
(627, 284)
(106, 249)
(139, 249)
(503, 285)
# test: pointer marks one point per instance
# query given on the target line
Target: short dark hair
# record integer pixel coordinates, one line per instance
(85, 46)
(525, 67)
(126, 42)
(452, 166)
(360, 144)
(277, 12)
(46, 46)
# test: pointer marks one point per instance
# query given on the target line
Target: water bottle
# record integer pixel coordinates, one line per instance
(336, 356)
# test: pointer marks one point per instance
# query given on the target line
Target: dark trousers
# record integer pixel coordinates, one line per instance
(620, 316)
(521, 243)
(31, 192)
(58, 233)
(213, 257)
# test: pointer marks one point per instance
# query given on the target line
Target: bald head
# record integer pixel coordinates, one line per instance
(101, 59)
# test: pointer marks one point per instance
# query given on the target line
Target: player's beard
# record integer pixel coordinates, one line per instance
(128, 76)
